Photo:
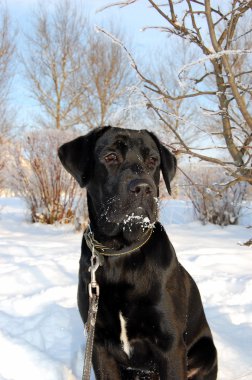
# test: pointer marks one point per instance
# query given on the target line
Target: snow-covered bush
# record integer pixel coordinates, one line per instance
(51, 193)
(3, 163)
(1, 174)
(214, 202)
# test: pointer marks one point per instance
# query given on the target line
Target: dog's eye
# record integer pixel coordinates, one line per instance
(152, 161)
(111, 158)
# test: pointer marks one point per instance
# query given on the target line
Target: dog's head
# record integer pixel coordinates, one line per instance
(121, 170)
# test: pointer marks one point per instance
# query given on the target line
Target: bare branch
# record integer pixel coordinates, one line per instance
(227, 66)
(217, 11)
(130, 57)
(120, 4)
(184, 96)
(173, 16)
(224, 77)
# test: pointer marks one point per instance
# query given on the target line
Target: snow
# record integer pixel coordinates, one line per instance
(41, 332)
(131, 219)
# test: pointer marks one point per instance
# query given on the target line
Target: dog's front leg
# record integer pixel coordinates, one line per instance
(105, 366)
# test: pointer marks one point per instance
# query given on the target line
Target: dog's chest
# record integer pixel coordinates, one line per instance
(132, 324)
(126, 346)
(130, 313)
(139, 333)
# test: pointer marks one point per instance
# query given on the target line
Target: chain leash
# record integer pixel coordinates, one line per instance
(93, 289)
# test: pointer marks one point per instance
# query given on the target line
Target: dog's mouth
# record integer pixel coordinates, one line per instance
(132, 217)
(134, 226)
(139, 221)
(138, 218)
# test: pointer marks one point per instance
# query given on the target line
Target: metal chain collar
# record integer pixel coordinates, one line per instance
(102, 250)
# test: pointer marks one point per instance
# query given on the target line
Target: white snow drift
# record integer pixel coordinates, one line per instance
(41, 333)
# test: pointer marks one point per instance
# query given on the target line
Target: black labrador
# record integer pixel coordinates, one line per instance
(150, 323)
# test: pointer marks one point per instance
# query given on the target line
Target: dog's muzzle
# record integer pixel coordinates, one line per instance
(140, 187)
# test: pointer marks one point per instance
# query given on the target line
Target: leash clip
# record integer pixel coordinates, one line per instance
(93, 287)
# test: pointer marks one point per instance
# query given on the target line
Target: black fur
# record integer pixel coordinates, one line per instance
(165, 322)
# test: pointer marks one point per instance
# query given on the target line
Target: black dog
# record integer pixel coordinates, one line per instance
(150, 322)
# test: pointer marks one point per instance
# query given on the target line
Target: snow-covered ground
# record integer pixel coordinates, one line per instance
(41, 333)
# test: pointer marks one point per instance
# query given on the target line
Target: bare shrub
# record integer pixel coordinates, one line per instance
(7, 114)
(1, 169)
(214, 202)
(1, 176)
(52, 195)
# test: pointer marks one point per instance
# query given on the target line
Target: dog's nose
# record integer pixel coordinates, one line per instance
(140, 186)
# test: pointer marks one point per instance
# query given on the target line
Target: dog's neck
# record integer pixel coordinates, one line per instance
(122, 239)
(103, 250)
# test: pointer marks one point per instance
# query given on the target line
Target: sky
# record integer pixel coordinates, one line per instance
(132, 19)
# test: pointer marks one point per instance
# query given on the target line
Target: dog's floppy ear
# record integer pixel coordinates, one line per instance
(168, 162)
(77, 155)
